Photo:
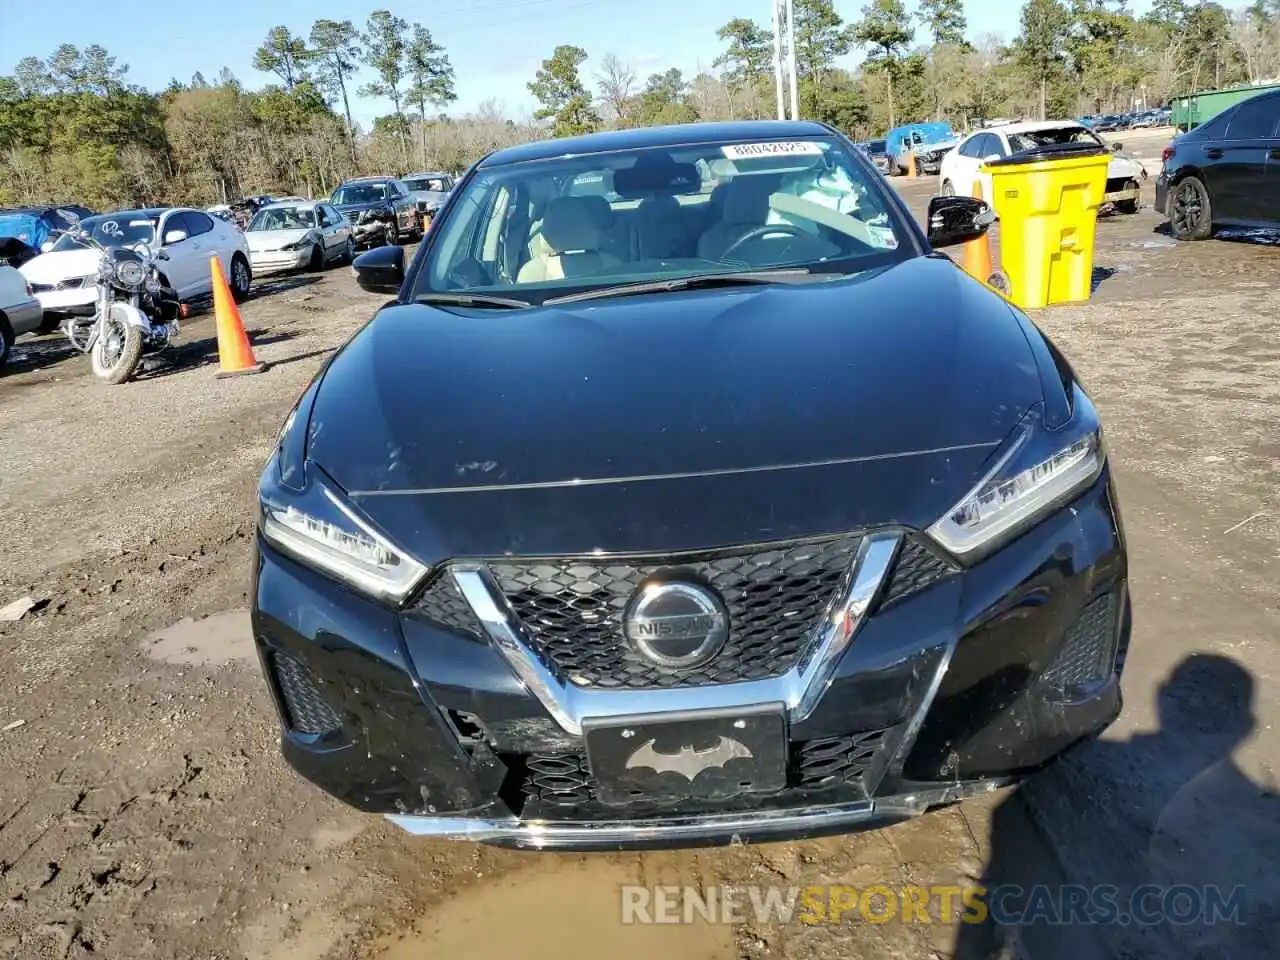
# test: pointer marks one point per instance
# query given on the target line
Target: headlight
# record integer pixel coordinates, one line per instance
(300, 245)
(131, 274)
(1038, 473)
(316, 527)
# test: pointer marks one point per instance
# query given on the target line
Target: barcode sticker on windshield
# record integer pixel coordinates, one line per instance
(780, 148)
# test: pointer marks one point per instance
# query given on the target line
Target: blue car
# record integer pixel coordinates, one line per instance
(928, 141)
(24, 230)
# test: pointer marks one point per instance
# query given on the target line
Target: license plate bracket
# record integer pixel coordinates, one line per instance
(696, 754)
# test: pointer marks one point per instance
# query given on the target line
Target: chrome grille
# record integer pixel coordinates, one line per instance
(776, 595)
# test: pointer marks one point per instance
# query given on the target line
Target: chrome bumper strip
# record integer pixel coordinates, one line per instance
(798, 690)
(757, 824)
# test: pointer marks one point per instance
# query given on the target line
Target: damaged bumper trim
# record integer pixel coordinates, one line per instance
(757, 824)
(1133, 193)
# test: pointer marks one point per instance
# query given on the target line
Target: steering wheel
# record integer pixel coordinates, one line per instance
(768, 229)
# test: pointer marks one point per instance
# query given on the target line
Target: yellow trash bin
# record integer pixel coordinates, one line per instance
(1047, 199)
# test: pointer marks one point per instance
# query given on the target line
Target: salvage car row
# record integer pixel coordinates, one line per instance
(50, 254)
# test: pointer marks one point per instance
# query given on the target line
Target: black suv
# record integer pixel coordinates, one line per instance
(1223, 173)
(380, 209)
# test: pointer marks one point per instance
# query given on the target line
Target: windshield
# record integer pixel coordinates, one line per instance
(20, 226)
(545, 228)
(113, 230)
(1043, 138)
(426, 184)
(361, 193)
(284, 218)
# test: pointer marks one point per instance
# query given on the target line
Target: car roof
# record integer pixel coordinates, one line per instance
(385, 179)
(150, 213)
(675, 135)
(424, 173)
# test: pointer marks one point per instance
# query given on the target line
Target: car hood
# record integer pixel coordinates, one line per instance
(61, 265)
(675, 419)
(1123, 165)
(430, 197)
(262, 240)
(346, 208)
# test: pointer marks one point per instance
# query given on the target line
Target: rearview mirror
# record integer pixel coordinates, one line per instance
(175, 236)
(954, 220)
(381, 270)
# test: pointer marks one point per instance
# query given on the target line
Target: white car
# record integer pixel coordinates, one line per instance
(19, 309)
(960, 168)
(296, 234)
(63, 276)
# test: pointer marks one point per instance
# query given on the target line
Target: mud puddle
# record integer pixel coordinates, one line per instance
(571, 910)
(210, 641)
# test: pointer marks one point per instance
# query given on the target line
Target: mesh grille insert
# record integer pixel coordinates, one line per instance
(916, 568)
(1088, 653)
(775, 594)
(308, 711)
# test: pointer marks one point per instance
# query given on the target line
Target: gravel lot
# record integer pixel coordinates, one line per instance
(144, 812)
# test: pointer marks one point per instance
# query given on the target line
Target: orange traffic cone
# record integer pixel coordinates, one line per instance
(911, 165)
(235, 356)
(977, 252)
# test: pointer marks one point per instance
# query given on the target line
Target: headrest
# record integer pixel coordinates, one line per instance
(746, 200)
(576, 223)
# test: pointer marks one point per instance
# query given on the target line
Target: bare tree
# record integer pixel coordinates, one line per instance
(616, 82)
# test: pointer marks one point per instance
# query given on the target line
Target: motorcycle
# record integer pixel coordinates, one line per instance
(135, 313)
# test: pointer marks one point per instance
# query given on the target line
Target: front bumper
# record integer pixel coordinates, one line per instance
(969, 682)
(24, 316)
(80, 301)
(369, 234)
(268, 261)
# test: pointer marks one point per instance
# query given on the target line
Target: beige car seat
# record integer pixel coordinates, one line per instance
(574, 241)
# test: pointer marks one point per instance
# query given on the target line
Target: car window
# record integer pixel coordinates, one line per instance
(283, 218)
(197, 223)
(995, 146)
(1029, 140)
(1254, 119)
(175, 221)
(970, 147)
(545, 228)
(124, 229)
(360, 193)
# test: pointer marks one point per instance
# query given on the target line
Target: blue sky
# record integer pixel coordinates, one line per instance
(495, 45)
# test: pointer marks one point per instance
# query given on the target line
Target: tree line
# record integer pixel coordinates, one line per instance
(73, 128)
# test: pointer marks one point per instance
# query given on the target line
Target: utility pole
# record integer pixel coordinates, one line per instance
(777, 60)
(791, 59)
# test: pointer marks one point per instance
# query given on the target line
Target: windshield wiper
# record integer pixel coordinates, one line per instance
(471, 300)
(753, 278)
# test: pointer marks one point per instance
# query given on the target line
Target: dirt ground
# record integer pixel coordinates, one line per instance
(144, 812)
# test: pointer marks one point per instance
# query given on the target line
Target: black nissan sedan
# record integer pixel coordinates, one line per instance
(683, 511)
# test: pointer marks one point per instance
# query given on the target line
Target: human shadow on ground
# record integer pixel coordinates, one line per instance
(1154, 839)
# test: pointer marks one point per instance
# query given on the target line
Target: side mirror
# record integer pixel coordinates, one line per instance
(175, 236)
(46, 246)
(954, 220)
(381, 270)
(1117, 147)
